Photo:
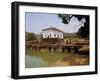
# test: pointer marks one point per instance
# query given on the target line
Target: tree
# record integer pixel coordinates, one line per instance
(30, 36)
(84, 29)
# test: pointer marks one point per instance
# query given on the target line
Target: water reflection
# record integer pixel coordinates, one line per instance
(31, 62)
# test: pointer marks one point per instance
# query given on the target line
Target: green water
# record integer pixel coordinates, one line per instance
(41, 59)
(34, 62)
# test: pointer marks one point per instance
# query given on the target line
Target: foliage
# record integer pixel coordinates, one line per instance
(84, 29)
(70, 35)
(30, 36)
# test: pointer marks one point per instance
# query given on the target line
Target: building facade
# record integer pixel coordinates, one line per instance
(52, 33)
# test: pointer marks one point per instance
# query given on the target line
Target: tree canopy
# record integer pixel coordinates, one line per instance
(30, 36)
(84, 29)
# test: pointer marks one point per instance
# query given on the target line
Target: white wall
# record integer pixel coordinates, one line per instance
(51, 34)
(5, 40)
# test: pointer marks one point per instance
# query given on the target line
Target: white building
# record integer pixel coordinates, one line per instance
(52, 33)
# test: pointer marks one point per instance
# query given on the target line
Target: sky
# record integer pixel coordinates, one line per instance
(35, 22)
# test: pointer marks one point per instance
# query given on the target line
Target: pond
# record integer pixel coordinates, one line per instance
(31, 62)
(46, 59)
(41, 59)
